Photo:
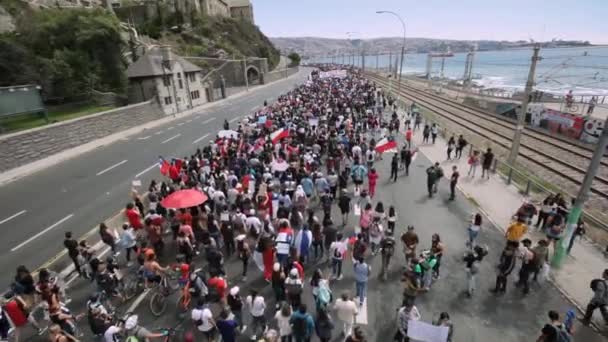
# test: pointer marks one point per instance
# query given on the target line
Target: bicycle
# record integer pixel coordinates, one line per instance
(184, 301)
(133, 286)
(168, 283)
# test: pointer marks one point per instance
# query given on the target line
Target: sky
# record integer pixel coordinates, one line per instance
(540, 20)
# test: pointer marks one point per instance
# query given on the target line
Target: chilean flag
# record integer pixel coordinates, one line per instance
(164, 166)
(386, 145)
(279, 134)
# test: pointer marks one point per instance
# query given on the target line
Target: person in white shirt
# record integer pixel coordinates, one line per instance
(253, 223)
(111, 334)
(404, 315)
(203, 319)
(346, 310)
(257, 306)
(282, 316)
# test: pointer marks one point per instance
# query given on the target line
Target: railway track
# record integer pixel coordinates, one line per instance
(555, 155)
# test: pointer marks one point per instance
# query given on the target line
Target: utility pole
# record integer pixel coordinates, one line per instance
(390, 62)
(245, 73)
(521, 118)
(377, 55)
(583, 194)
(363, 61)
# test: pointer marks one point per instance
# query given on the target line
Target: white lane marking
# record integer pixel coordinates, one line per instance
(13, 216)
(138, 300)
(256, 108)
(144, 138)
(208, 120)
(190, 120)
(42, 232)
(170, 128)
(181, 123)
(111, 167)
(173, 137)
(361, 317)
(233, 119)
(146, 170)
(159, 132)
(199, 139)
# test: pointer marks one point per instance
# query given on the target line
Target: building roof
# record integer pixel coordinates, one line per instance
(150, 64)
(238, 3)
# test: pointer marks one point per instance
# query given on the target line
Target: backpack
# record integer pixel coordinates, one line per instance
(337, 253)
(293, 289)
(299, 326)
(594, 284)
(562, 334)
(324, 296)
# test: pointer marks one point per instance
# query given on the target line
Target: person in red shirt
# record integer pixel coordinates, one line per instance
(174, 173)
(372, 179)
(134, 217)
(185, 217)
(220, 285)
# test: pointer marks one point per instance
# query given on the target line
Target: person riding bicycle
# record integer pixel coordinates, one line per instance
(99, 321)
(61, 315)
(106, 281)
(135, 332)
(152, 269)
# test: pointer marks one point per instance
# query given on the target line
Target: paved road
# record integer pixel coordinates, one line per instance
(78, 194)
(482, 318)
(485, 317)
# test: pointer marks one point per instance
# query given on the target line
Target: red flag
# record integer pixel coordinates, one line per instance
(178, 163)
(164, 168)
(279, 134)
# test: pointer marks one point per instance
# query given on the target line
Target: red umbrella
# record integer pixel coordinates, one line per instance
(184, 199)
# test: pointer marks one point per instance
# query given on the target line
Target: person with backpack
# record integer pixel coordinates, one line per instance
(528, 265)
(599, 287)
(257, 307)
(202, 317)
(302, 325)
(243, 252)
(293, 288)
(235, 303)
(472, 259)
(324, 325)
(555, 330)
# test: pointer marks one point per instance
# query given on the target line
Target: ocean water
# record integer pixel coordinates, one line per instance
(584, 70)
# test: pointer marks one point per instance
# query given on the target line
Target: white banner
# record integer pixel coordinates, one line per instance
(422, 331)
(332, 74)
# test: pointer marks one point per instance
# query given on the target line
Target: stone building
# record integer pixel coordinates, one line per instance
(217, 8)
(173, 81)
(241, 9)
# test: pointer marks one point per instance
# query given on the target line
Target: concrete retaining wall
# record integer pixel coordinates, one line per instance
(28, 146)
(278, 74)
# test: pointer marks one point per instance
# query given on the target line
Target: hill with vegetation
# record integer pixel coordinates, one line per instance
(70, 51)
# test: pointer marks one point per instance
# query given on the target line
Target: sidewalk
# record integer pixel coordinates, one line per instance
(499, 201)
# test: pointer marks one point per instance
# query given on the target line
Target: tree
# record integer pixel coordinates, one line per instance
(68, 52)
(295, 59)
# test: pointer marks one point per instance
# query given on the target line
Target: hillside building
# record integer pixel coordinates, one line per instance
(174, 82)
(241, 9)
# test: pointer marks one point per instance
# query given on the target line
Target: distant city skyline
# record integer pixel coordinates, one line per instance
(541, 20)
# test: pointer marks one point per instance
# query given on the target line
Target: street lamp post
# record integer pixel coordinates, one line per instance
(402, 49)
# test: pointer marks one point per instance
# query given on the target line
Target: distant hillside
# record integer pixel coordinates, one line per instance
(308, 46)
